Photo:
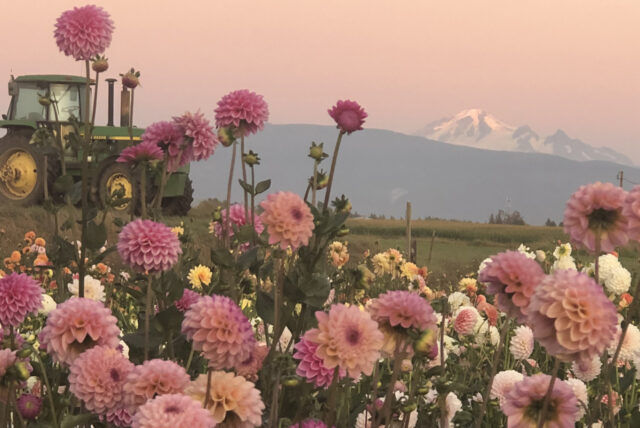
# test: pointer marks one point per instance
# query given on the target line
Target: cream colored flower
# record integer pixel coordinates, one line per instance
(521, 345)
(93, 288)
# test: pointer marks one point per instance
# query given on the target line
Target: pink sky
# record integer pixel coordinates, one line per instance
(570, 64)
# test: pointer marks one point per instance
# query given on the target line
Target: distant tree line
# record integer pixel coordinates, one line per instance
(503, 218)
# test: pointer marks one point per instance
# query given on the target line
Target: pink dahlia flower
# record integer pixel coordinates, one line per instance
(347, 338)
(120, 417)
(83, 32)
(154, 377)
(597, 207)
(189, 297)
(244, 110)
(522, 405)
(29, 406)
(77, 325)
(513, 278)
(466, 320)
(289, 220)
(233, 402)
(309, 423)
(631, 210)
(148, 246)
(250, 367)
(403, 309)
(20, 295)
(236, 219)
(198, 130)
(97, 377)
(220, 330)
(173, 411)
(572, 317)
(348, 115)
(170, 138)
(142, 152)
(7, 358)
(311, 366)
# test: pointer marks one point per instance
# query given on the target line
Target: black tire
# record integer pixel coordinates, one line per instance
(179, 205)
(118, 176)
(23, 173)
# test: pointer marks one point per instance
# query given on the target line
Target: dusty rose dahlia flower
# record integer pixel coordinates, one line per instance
(250, 367)
(83, 32)
(220, 330)
(631, 210)
(289, 220)
(142, 152)
(97, 377)
(348, 115)
(77, 325)
(189, 297)
(29, 406)
(20, 295)
(571, 316)
(523, 404)
(403, 309)
(593, 207)
(236, 219)
(154, 377)
(347, 338)
(172, 411)
(521, 345)
(466, 320)
(120, 417)
(311, 366)
(244, 110)
(170, 138)
(513, 278)
(234, 401)
(7, 358)
(148, 246)
(199, 132)
(309, 423)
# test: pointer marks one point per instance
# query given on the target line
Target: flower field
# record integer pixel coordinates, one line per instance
(286, 313)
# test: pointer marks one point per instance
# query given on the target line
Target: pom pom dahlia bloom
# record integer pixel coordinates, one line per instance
(521, 345)
(349, 116)
(234, 401)
(170, 138)
(512, 277)
(77, 325)
(189, 297)
(145, 151)
(93, 288)
(587, 371)
(289, 220)
(29, 406)
(237, 219)
(250, 367)
(220, 330)
(120, 417)
(597, 208)
(571, 317)
(148, 246)
(523, 404)
(244, 110)
(465, 320)
(154, 377)
(20, 295)
(311, 366)
(97, 377)
(83, 32)
(199, 132)
(580, 391)
(403, 309)
(503, 383)
(347, 338)
(172, 411)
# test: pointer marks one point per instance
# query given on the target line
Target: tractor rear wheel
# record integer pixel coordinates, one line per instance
(179, 205)
(116, 179)
(22, 172)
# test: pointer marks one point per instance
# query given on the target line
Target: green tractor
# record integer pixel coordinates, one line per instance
(28, 170)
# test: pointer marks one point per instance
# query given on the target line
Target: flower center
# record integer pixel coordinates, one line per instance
(353, 336)
(296, 214)
(172, 409)
(115, 375)
(601, 219)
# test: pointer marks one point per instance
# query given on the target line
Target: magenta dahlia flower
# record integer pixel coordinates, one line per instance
(7, 358)
(234, 401)
(631, 210)
(97, 377)
(403, 309)
(83, 32)
(220, 330)
(572, 317)
(148, 246)
(311, 366)
(77, 325)
(347, 338)
(172, 411)
(154, 377)
(120, 416)
(189, 297)
(143, 152)
(597, 208)
(523, 404)
(29, 406)
(20, 295)
(309, 423)
(289, 220)
(237, 220)
(513, 278)
(199, 132)
(244, 110)
(170, 138)
(348, 115)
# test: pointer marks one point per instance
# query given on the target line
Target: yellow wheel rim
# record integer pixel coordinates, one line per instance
(117, 183)
(18, 175)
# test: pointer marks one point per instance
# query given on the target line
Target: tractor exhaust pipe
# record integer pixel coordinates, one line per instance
(110, 111)
(125, 102)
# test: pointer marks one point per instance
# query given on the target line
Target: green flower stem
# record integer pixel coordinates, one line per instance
(190, 359)
(253, 206)
(207, 395)
(133, 90)
(494, 369)
(277, 302)
(163, 182)
(613, 369)
(331, 403)
(315, 183)
(244, 178)
(547, 398)
(147, 318)
(327, 195)
(14, 403)
(143, 189)
(52, 406)
(273, 414)
(85, 184)
(95, 101)
(598, 243)
(225, 221)
(385, 413)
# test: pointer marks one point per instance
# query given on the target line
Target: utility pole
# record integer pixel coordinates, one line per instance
(620, 177)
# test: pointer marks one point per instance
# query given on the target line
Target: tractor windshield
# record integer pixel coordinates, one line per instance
(68, 100)
(26, 105)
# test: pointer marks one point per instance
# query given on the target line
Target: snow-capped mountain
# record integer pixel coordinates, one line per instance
(479, 129)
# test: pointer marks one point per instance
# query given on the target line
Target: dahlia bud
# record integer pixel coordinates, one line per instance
(322, 179)
(342, 204)
(423, 390)
(409, 407)
(427, 343)
(365, 277)
(316, 151)
(100, 64)
(344, 231)
(291, 381)
(44, 101)
(22, 370)
(251, 158)
(225, 136)
(23, 353)
(131, 79)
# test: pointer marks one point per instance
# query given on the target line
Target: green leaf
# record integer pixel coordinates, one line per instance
(244, 233)
(433, 371)
(246, 186)
(100, 257)
(76, 193)
(61, 252)
(221, 257)
(63, 184)
(96, 235)
(627, 379)
(263, 186)
(264, 306)
(117, 221)
(248, 259)
(72, 421)
(316, 290)
(170, 319)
